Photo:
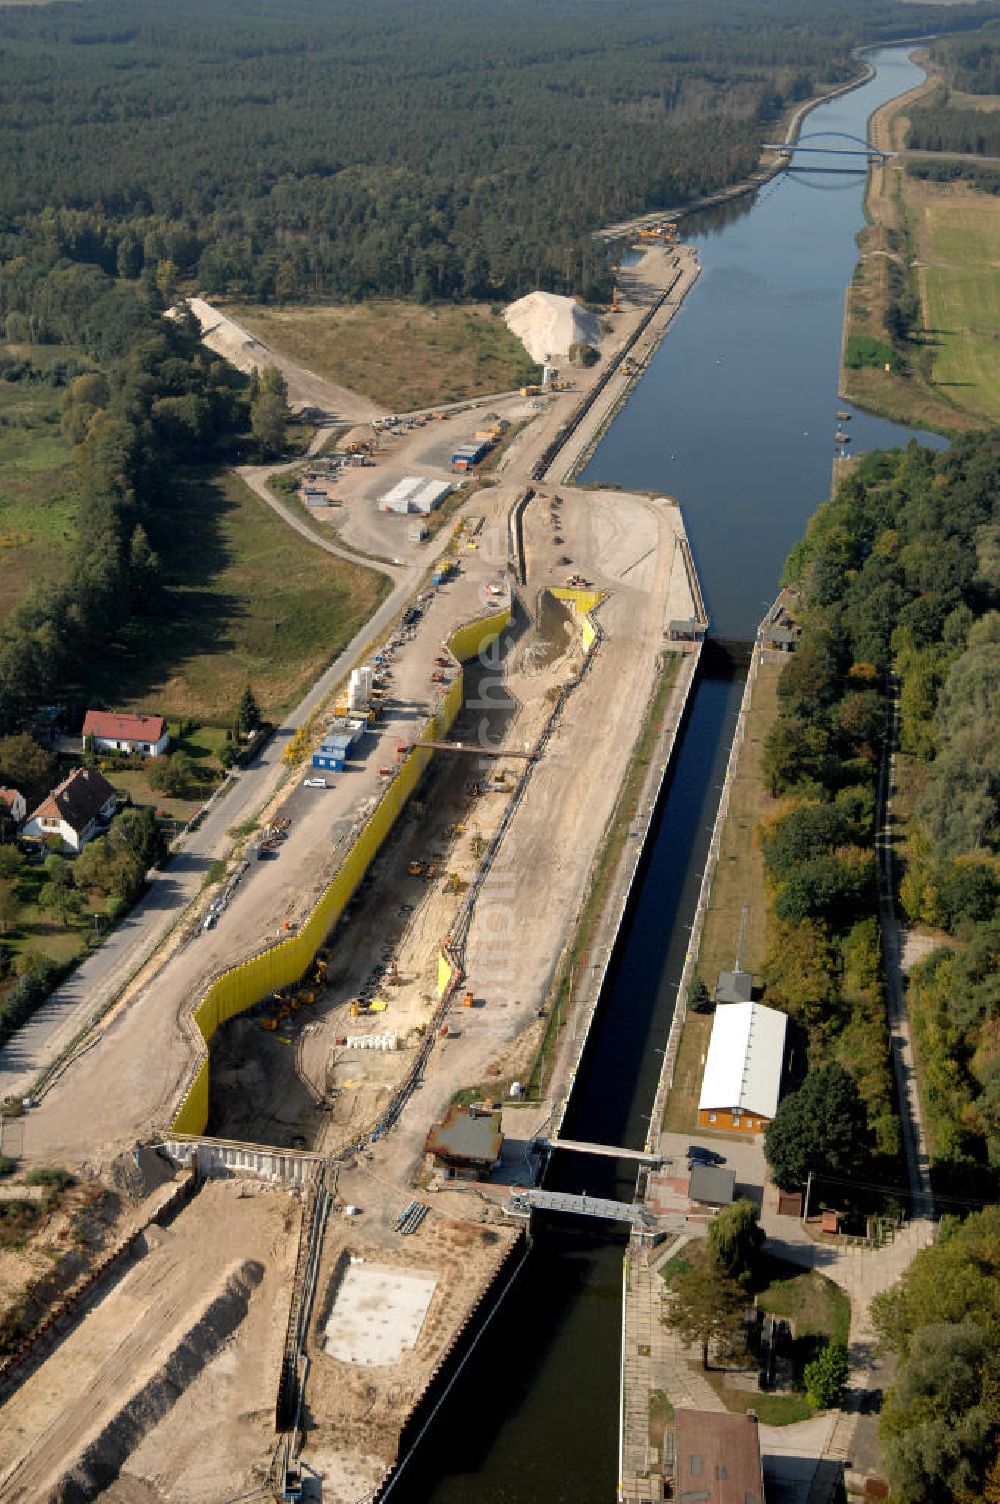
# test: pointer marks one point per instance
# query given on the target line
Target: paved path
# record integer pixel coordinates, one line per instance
(653, 1358)
(914, 1136)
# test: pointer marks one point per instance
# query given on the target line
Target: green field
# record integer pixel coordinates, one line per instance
(958, 238)
(401, 355)
(37, 510)
(249, 601)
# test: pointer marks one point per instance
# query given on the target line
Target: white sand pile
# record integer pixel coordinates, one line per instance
(547, 325)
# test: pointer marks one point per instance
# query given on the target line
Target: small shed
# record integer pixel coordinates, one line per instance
(712, 1185)
(734, 987)
(686, 629)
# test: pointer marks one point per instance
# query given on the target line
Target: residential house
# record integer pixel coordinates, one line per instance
(110, 731)
(75, 811)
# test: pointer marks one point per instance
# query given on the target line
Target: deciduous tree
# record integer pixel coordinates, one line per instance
(705, 1305)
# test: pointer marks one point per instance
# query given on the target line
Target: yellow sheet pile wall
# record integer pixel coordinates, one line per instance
(246, 984)
(582, 602)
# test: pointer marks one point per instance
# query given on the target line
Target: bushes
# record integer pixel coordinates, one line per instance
(25, 996)
(825, 1377)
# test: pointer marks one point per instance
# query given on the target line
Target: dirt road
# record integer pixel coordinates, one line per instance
(246, 352)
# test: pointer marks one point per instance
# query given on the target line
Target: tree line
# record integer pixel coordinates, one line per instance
(152, 402)
(376, 147)
(900, 575)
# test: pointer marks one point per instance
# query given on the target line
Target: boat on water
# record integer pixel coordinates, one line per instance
(841, 437)
(844, 417)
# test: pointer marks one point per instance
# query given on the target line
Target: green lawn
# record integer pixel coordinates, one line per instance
(813, 1304)
(202, 744)
(37, 510)
(959, 241)
(249, 601)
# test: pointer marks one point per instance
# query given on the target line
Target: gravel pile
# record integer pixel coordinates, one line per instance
(547, 325)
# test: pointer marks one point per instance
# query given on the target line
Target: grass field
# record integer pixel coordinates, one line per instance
(738, 881)
(37, 511)
(401, 355)
(202, 744)
(958, 243)
(950, 381)
(813, 1304)
(250, 601)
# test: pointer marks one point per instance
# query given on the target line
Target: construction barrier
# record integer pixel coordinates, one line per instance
(281, 965)
(581, 602)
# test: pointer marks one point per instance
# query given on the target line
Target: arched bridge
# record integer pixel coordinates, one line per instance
(858, 147)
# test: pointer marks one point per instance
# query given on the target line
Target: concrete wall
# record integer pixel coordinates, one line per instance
(283, 964)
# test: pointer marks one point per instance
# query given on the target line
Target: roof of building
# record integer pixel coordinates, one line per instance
(712, 1184)
(416, 491)
(734, 987)
(78, 799)
(718, 1458)
(118, 727)
(469, 1134)
(7, 796)
(745, 1056)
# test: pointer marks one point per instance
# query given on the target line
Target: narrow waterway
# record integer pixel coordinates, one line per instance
(736, 417)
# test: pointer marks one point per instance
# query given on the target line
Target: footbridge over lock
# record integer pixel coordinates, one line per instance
(605, 1151)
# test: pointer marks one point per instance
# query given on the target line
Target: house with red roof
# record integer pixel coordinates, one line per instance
(115, 731)
(76, 811)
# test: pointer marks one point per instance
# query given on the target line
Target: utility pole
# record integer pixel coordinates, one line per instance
(805, 1204)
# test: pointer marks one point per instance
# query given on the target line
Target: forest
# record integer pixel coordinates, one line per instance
(423, 150)
(899, 576)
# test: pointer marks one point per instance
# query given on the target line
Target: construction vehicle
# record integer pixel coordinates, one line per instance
(468, 1000)
(417, 869)
(531, 391)
(270, 1024)
(455, 884)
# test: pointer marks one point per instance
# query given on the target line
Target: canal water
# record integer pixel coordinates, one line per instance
(736, 417)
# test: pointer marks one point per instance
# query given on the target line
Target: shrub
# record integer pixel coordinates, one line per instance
(826, 1377)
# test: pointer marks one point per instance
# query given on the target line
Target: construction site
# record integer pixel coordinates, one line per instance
(291, 1268)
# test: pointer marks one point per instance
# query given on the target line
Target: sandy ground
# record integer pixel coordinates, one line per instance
(190, 1334)
(355, 1411)
(246, 352)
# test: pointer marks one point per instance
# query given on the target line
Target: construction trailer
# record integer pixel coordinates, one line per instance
(468, 455)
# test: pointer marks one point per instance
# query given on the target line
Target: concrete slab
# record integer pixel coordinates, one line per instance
(378, 1314)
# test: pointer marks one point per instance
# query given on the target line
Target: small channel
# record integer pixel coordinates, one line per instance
(736, 417)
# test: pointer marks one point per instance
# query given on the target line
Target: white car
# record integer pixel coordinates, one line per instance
(314, 783)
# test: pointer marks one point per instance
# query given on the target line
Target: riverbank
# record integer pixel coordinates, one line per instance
(771, 165)
(926, 246)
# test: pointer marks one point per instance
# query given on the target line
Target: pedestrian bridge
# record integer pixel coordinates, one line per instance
(606, 1151)
(522, 1203)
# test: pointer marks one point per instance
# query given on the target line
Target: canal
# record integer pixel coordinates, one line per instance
(736, 417)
